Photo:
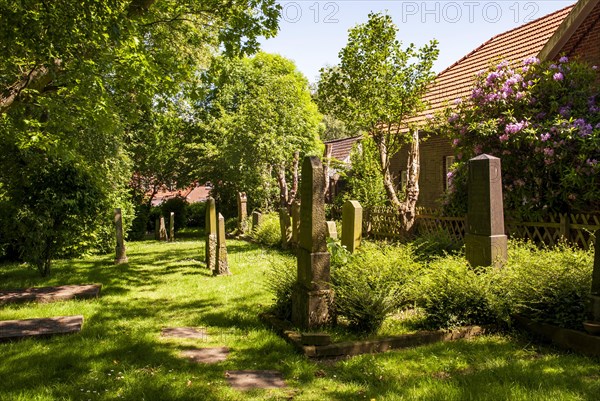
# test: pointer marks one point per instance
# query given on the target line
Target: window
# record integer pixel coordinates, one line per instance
(448, 162)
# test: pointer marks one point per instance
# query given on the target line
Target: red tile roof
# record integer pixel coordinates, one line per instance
(341, 148)
(195, 194)
(514, 46)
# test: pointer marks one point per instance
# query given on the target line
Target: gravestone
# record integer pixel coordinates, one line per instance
(242, 201)
(221, 267)
(485, 241)
(211, 234)
(312, 296)
(256, 219)
(594, 306)
(172, 226)
(121, 255)
(332, 230)
(285, 225)
(163, 229)
(352, 221)
(295, 223)
(157, 229)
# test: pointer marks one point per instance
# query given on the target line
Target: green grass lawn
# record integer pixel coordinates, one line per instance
(120, 355)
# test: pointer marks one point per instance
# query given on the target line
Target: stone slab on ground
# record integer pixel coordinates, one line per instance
(50, 294)
(206, 355)
(17, 329)
(184, 332)
(251, 379)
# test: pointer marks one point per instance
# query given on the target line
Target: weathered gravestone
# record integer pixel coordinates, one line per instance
(163, 229)
(211, 234)
(221, 267)
(351, 225)
(485, 241)
(121, 255)
(256, 219)
(295, 223)
(312, 297)
(285, 225)
(332, 230)
(242, 201)
(172, 226)
(594, 306)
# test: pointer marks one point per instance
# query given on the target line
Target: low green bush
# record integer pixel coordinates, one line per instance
(370, 284)
(179, 206)
(433, 244)
(280, 282)
(196, 213)
(268, 232)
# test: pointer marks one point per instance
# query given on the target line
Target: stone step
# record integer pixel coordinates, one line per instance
(17, 329)
(50, 294)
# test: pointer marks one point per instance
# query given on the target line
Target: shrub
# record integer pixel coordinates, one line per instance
(434, 244)
(177, 205)
(546, 285)
(370, 285)
(281, 280)
(196, 213)
(269, 232)
(451, 294)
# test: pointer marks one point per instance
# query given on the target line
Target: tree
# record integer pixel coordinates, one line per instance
(260, 119)
(81, 84)
(375, 88)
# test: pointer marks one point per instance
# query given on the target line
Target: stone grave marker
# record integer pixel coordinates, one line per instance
(211, 234)
(121, 255)
(285, 225)
(312, 297)
(295, 223)
(251, 379)
(206, 355)
(163, 230)
(172, 226)
(352, 221)
(222, 267)
(17, 329)
(485, 241)
(332, 230)
(256, 219)
(242, 202)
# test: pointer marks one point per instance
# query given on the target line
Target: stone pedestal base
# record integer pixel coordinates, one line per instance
(311, 308)
(211, 252)
(486, 250)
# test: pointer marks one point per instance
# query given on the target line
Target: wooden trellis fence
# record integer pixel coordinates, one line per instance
(384, 223)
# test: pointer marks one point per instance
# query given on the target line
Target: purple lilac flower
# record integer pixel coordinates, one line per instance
(503, 138)
(429, 116)
(591, 162)
(453, 117)
(525, 69)
(549, 152)
(477, 92)
(584, 128)
(558, 76)
(553, 66)
(594, 67)
(458, 101)
(564, 111)
(545, 137)
(455, 142)
(531, 60)
(492, 76)
(597, 126)
(477, 149)
(563, 59)
(503, 64)
(520, 95)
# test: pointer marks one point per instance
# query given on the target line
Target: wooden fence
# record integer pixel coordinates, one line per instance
(578, 229)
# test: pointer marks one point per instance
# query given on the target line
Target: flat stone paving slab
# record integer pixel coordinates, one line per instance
(16, 329)
(50, 294)
(206, 355)
(251, 379)
(184, 332)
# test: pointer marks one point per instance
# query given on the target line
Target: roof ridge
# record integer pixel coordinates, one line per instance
(502, 34)
(343, 139)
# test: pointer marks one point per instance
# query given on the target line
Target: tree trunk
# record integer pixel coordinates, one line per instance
(328, 151)
(294, 191)
(384, 158)
(409, 206)
(283, 189)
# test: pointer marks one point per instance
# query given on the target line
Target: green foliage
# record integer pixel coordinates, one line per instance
(255, 113)
(545, 285)
(431, 245)
(196, 213)
(268, 232)
(336, 129)
(543, 121)
(179, 206)
(370, 284)
(365, 181)
(280, 283)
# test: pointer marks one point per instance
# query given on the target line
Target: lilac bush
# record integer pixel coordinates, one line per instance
(543, 121)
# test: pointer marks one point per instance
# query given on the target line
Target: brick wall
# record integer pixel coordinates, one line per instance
(585, 42)
(433, 152)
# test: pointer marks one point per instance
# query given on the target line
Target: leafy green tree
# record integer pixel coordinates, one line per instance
(365, 183)
(376, 87)
(336, 129)
(84, 85)
(260, 118)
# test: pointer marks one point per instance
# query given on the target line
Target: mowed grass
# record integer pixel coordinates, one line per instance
(119, 355)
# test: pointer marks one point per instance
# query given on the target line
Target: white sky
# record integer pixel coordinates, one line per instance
(313, 32)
